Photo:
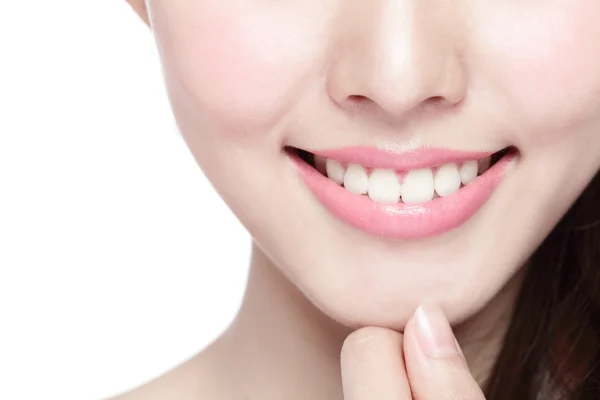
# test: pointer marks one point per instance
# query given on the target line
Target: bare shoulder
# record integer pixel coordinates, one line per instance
(183, 382)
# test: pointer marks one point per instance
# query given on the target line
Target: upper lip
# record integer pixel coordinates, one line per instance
(386, 159)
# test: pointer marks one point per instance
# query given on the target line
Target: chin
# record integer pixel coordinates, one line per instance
(386, 293)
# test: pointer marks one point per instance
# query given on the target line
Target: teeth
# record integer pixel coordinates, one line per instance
(335, 171)
(447, 180)
(320, 164)
(418, 186)
(468, 172)
(384, 186)
(356, 179)
(484, 164)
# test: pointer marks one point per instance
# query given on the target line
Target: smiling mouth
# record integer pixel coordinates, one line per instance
(406, 195)
(410, 186)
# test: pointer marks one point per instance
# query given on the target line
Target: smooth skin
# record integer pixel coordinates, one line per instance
(246, 78)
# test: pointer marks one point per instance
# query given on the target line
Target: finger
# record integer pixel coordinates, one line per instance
(373, 366)
(436, 368)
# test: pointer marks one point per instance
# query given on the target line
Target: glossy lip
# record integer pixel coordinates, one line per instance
(399, 220)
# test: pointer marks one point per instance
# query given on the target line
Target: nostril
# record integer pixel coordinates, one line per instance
(357, 98)
(366, 106)
(357, 101)
(435, 100)
(438, 103)
(363, 105)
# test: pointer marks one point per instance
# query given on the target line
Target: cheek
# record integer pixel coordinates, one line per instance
(548, 63)
(233, 66)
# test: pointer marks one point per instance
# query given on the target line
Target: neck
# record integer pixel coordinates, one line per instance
(281, 343)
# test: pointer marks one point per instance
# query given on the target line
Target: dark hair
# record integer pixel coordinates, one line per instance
(551, 350)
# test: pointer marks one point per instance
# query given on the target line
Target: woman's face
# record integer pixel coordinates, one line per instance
(426, 82)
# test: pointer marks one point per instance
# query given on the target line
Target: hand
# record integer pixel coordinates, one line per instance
(433, 366)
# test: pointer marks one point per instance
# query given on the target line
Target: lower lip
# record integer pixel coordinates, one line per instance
(399, 220)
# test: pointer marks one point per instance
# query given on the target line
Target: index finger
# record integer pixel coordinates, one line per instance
(373, 366)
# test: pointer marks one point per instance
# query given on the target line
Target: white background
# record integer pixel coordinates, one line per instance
(118, 261)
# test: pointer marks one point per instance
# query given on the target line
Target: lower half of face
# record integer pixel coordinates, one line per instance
(370, 196)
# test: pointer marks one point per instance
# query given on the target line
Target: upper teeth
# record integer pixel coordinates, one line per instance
(384, 186)
(418, 186)
(412, 187)
(356, 179)
(335, 170)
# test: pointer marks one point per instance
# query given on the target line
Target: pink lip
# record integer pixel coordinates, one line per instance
(377, 158)
(403, 221)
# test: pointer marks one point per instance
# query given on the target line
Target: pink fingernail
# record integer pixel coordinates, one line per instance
(434, 333)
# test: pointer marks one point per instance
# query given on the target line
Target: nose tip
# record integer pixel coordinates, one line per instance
(399, 98)
(399, 66)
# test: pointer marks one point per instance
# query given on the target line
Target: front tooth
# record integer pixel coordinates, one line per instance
(320, 164)
(384, 186)
(468, 172)
(447, 180)
(335, 171)
(484, 164)
(356, 179)
(418, 186)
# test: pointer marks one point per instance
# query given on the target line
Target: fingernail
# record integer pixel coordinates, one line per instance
(434, 333)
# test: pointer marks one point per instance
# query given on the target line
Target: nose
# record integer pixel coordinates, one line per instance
(398, 56)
